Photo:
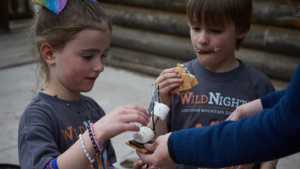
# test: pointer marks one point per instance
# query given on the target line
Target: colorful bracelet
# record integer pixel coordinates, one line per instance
(113, 167)
(97, 147)
(85, 152)
(92, 139)
(52, 164)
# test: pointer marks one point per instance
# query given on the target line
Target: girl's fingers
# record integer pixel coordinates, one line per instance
(138, 113)
(129, 127)
(136, 107)
(135, 118)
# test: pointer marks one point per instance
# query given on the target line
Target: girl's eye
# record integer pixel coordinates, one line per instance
(103, 56)
(216, 31)
(196, 28)
(87, 57)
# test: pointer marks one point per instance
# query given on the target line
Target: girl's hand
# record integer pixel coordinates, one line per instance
(118, 121)
(248, 109)
(167, 80)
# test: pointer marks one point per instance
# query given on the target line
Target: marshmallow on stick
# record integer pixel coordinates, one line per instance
(146, 134)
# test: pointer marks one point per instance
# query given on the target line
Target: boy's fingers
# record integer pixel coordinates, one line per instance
(171, 70)
(168, 82)
(168, 76)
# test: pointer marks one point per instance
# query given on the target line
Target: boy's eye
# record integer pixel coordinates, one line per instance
(87, 57)
(103, 56)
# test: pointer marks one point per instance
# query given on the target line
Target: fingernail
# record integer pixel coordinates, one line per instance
(178, 75)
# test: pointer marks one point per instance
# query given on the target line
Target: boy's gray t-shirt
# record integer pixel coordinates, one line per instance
(49, 126)
(216, 96)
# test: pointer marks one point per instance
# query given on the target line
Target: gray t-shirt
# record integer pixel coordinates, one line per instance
(49, 126)
(215, 97)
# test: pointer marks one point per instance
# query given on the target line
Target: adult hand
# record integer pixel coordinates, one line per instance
(160, 157)
(118, 121)
(248, 109)
(167, 80)
(141, 165)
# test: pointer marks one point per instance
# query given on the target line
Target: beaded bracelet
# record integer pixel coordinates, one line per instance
(92, 139)
(86, 153)
(97, 147)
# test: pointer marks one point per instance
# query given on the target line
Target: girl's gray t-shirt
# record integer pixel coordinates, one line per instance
(49, 126)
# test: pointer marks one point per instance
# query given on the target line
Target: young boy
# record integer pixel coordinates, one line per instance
(217, 29)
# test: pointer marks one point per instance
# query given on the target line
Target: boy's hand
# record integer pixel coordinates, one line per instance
(248, 109)
(167, 80)
(119, 120)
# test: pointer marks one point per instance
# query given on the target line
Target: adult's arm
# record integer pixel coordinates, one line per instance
(272, 134)
(272, 99)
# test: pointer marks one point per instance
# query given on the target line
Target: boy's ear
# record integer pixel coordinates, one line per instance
(242, 34)
(47, 52)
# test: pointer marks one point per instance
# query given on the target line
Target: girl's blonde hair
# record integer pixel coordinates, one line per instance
(221, 12)
(57, 30)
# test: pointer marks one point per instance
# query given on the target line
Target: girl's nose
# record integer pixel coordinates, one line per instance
(98, 66)
(203, 39)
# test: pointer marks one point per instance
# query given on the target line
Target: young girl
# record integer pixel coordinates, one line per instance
(61, 128)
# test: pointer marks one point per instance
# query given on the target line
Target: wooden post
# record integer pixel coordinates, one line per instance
(4, 15)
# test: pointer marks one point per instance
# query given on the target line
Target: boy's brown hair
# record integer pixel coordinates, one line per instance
(221, 12)
(57, 30)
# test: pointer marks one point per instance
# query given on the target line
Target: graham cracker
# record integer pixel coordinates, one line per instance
(185, 85)
(194, 82)
(142, 150)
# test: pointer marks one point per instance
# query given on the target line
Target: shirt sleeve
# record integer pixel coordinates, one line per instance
(272, 99)
(269, 135)
(37, 146)
(111, 153)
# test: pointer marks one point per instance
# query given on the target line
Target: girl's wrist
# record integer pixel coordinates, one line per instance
(99, 134)
(88, 144)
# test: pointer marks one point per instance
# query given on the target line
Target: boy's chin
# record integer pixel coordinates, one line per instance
(206, 62)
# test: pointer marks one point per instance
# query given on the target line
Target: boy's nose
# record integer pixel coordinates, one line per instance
(203, 40)
(98, 66)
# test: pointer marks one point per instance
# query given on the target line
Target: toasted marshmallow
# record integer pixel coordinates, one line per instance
(161, 110)
(144, 135)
